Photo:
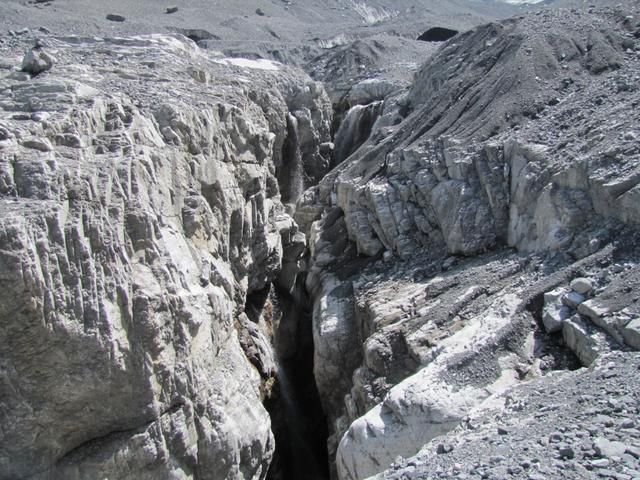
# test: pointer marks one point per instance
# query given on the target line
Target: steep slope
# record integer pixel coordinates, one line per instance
(519, 134)
(492, 79)
(140, 207)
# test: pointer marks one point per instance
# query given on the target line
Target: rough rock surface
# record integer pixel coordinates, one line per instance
(516, 134)
(468, 272)
(423, 184)
(140, 204)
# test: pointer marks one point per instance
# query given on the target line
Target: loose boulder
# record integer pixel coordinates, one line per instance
(554, 312)
(582, 286)
(112, 17)
(37, 61)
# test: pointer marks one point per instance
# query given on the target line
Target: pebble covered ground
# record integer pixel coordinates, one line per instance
(574, 425)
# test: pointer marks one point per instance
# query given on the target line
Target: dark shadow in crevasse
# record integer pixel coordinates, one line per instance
(298, 421)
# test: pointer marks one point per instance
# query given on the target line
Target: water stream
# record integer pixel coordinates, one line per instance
(355, 129)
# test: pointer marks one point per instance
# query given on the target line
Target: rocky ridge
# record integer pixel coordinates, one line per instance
(140, 195)
(506, 138)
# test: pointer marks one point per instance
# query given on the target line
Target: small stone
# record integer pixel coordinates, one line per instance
(443, 448)
(449, 262)
(606, 473)
(634, 473)
(566, 451)
(605, 420)
(555, 437)
(553, 319)
(616, 405)
(112, 17)
(581, 285)
(630, 136)
(573, 299)
(36, 143)
(593, 310)
(260, 12)
(503, 431)
(69, 140)
(40, 116)
(554, 312)
(627, 423)
(6, 64)
(633, 451)
(326, 147)
(5, 134)
(170, 136)
(19, 76)
(631, 333)
(599, 463)
(171, 9)
(608, 449)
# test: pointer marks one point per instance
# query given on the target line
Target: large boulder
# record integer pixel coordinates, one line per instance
(36, 61)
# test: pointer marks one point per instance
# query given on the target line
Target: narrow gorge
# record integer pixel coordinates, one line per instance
(383, 257)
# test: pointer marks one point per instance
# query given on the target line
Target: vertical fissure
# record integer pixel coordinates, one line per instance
(292, 399)
(298, 421)
(290, 176)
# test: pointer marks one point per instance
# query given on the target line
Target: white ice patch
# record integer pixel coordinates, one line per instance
(336, 41)
(260, 64)
(372, 15)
